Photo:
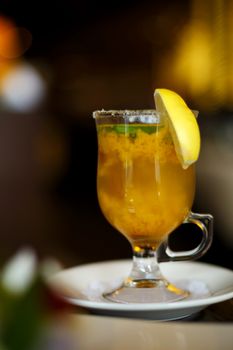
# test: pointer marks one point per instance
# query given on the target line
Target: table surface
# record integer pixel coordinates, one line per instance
(212, 329)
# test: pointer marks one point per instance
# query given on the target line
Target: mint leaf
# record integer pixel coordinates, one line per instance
(130, 129)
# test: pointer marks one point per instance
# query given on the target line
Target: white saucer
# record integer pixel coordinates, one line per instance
(84, 285)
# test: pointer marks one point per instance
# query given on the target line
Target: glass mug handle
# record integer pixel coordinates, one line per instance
(205, 223)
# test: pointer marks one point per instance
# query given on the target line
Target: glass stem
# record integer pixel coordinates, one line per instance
(145, 270)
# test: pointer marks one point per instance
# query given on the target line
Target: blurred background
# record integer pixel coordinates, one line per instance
(61, 60)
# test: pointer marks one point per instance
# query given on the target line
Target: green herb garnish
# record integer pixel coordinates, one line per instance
(130, 129)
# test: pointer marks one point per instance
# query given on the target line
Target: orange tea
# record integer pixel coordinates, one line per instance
(146, 186)
(143, 190)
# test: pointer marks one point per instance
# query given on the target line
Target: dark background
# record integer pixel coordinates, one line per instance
(90, 55)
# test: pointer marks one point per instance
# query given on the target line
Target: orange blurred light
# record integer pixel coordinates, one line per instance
(14, 41)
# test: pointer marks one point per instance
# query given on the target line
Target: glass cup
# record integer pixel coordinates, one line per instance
(145, 194)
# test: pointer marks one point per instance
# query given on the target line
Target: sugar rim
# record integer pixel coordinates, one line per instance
(125, 113)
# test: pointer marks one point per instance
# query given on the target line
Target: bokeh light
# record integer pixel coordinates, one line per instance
(14, 41)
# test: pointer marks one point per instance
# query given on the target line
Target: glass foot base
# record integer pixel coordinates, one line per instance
(144, 291)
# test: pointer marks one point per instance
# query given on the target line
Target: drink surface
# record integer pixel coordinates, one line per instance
(142, 188)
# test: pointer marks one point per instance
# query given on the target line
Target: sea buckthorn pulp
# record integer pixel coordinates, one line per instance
(143, 190)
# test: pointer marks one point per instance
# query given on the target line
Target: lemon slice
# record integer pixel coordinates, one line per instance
(182, 124)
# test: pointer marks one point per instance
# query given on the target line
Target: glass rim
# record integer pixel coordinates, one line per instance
(124, 113)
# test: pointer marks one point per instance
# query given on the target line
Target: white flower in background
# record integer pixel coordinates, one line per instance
(19, 272)
(22, 89)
